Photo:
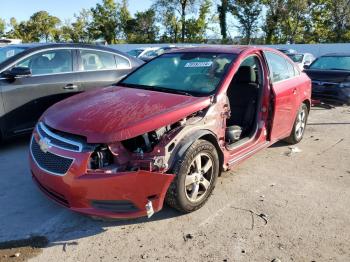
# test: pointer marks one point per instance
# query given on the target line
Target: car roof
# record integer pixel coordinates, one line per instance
(68, 45)
(38, 46)
(236, 49)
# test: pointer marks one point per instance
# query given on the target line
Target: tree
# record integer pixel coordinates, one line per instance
(293, 21)
(172, 27)
(247, 13)
(196, 28)
(106, 22)
(22, 30)
(43, 25)
(339, 19)
(79, 30)
(2, 27)
(274, 14)
(182, 7)
(143, 29)
(125, 17)
(222, 9)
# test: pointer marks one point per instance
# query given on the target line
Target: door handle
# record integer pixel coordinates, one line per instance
(295, 91)
(70, 87)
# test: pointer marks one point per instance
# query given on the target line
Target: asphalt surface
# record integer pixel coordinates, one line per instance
(277, 204)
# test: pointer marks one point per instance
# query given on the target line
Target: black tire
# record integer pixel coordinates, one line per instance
(295, 137)
(178, 193)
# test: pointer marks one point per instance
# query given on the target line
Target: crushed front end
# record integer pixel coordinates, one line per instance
(124, 179)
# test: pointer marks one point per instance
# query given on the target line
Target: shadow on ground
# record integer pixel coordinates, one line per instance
(26, 212)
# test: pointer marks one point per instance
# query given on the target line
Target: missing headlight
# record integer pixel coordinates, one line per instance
(101, 157)
(145, 142)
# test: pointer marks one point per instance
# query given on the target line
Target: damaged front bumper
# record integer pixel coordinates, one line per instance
(128, 194)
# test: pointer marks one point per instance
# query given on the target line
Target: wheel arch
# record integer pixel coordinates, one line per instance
(308, 104)
(187, 141)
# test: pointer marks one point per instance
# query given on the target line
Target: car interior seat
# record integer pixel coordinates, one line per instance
(61, 62)
(90, 63)
(243, 94)
(40, 65)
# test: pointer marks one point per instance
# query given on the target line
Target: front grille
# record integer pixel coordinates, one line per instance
(58, 140)
(51, 193)
(49, 162)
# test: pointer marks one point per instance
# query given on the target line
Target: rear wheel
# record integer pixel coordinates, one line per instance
(299, 125)
(196, 174)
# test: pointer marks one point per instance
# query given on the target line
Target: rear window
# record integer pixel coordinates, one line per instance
(97, 60)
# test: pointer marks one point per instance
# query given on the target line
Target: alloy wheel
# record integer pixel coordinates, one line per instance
(199, 177)
(301, 123)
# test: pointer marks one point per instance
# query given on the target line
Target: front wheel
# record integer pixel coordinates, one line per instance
(196, 173)
(299, 125)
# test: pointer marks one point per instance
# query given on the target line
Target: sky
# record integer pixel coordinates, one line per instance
(63, 9)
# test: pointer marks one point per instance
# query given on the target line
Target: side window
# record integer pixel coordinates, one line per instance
(291, 69)
(49, 62)
(279, 68)
(122, 63)
(97, 60)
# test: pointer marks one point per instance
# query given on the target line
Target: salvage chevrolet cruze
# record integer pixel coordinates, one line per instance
(167, 131)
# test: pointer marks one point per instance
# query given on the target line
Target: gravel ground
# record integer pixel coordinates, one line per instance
(276, 205)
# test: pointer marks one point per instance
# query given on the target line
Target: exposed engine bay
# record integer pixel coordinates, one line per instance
(135, 153)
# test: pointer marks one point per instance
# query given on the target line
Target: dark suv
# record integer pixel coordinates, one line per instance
(35, 76)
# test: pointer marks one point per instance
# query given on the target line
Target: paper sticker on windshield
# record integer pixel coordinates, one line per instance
(10, 53)
(199, 64)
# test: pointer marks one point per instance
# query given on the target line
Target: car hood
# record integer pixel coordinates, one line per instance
(332, 76)
(118, 113)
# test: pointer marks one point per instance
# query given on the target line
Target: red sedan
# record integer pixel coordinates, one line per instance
(168, 130)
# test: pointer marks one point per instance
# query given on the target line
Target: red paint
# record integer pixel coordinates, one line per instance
(114, 114)
(118, 113)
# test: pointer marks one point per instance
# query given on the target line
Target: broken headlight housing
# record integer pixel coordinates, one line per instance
(101, 157)
(146, 142)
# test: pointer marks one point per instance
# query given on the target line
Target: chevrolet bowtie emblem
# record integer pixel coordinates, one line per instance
(44, 144)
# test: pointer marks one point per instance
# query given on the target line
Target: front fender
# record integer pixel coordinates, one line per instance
(185, 143)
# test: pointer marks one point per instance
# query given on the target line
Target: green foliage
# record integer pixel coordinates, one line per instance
(222, 10)
(196, 28)
(125, 17)
(182, 8)
(23, 30)
(79, 30)
(261, 21)
(247, 13)
(42, 25)
(274, 15)
(2, 27)
(143, 28)
(171, 27)
(106, 22)
(304, 21)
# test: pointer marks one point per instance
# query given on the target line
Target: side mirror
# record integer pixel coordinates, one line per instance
(306, 66)
(17, 72)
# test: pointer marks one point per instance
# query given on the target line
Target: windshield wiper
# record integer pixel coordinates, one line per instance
(181, 92)
(156, 88)
(132, 85)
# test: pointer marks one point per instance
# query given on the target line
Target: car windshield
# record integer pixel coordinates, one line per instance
(135, 52)
(9, 51)
(297, 58)
(195, 74)
(332, 63)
